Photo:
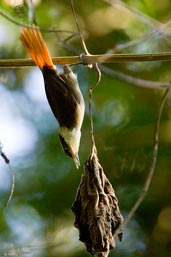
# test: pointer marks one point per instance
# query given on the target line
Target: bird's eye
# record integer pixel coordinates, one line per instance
(67, 152)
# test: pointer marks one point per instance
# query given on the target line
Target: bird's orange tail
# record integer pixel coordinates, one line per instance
(36, 47)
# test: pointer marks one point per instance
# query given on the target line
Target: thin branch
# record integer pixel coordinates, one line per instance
(90, 106)
(152, 165)
(21, 24)
(132, 80)
(95, 65)
(157, 27)
(12, 186)
(146, 36)
(13, 63)
(91, 59)
(143, 17)
(110, 58)
(78, 29)
(7, 161)
(31, 13)
(153, 160)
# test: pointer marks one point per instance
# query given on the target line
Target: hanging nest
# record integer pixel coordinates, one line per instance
(96, 210)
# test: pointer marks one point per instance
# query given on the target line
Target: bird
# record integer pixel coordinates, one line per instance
(62, 91)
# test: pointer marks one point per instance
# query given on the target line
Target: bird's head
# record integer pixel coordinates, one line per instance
(70, 141)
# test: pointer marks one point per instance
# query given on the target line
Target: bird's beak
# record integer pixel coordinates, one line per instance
(77, 161)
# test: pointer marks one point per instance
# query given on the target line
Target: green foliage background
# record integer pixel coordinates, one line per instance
(38, 221)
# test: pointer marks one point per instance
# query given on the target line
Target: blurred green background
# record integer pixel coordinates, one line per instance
(38, 221)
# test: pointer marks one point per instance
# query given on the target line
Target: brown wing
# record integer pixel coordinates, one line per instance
(61, 100)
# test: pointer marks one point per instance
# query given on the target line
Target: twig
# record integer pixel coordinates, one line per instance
(78, 29)
(18, 23)
(153, 161)
(31, 13)
(146, 36)
(109, 58)
(90, 106)
(12, 186)
(7, 161)
(157, 27)
(132, 80)
(95, 65)
(90, 59)
(14, 63)
(143, 17)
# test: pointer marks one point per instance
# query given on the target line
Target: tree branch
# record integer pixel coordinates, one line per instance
(91, 59)
(7, 161)
(132, 80)
(153, 160)
(21, 24)
(152, 165)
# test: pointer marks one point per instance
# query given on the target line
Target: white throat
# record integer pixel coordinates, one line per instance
(72, 137)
